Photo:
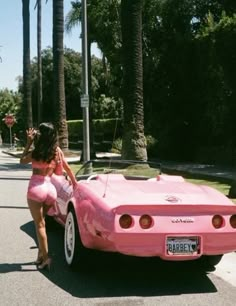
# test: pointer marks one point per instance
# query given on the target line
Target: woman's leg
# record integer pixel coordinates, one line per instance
(36, 209)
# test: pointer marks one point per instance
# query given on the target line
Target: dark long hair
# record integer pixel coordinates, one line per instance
(45, 143)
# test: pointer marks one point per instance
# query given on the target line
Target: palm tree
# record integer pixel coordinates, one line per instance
(26, 63)
(134, 142)
(39, 72)
(58, 73)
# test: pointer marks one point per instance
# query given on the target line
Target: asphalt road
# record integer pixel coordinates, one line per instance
(106, 279)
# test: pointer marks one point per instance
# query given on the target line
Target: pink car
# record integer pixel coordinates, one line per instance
(130, 208)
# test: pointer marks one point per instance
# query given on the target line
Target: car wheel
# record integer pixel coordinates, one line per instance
(73, 248)
(210, 261)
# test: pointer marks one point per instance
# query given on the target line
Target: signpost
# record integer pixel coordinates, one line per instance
(10, 120)
(84, 101)
(85, 96)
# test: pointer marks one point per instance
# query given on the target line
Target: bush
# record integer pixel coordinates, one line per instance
(75, 130)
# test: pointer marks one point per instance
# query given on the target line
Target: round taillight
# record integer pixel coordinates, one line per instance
(217, 221)
(145, 221)
(233, 221)
(126, 221)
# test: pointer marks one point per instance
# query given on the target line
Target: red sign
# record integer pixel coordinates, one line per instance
(9, 120)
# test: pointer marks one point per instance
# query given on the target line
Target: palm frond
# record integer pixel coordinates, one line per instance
(73, 18)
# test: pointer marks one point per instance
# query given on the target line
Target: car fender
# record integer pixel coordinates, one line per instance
(95, 220)
(84, 212)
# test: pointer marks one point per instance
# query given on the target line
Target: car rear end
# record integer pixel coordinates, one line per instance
(164, 217)
(182, 232)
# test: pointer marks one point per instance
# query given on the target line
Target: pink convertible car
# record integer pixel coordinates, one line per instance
(130, 208)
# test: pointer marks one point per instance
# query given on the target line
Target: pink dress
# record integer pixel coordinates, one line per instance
(40, 187)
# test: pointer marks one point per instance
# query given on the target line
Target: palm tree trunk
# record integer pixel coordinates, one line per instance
(39, 39)
(58, 73)
(134, 142)
(27, 103)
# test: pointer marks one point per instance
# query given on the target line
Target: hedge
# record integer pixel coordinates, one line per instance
(105, 129)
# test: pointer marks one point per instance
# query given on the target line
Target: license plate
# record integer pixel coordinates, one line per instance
(182, 246)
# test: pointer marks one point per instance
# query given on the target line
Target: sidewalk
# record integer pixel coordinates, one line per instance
(73, 157)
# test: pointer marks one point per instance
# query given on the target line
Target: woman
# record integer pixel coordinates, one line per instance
(45, 157)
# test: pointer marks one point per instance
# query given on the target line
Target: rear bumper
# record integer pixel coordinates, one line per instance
(150, 245)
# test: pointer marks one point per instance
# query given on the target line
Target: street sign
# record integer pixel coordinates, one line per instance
(84, 101)
(9, 120)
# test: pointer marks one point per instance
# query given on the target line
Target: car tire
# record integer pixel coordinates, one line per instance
(210, 261)
(73, 248)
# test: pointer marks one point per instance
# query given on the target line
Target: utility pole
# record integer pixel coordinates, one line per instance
(85, 96)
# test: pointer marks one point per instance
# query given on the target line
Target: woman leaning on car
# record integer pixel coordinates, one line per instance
(46, 157)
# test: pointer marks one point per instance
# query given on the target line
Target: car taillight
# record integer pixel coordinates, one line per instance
(233, 221)
(217, 221)
(126, 221)
(145, 221)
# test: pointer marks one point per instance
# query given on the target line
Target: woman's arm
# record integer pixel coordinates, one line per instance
(67, 168)
(69, 172)
(26, 155)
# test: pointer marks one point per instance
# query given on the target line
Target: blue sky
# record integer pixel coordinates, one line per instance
(11, 38)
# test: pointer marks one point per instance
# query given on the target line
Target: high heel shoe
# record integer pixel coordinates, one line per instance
(45, 265)
(38, 261)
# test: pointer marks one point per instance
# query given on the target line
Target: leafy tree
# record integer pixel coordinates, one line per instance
(47, 85)
(169, 76)
(98, 30)
(184, 85)
(104, 28)
(106, 107)
(73, 76)
(73, 81)
(188, 66)
(10, 103)
(218, 39)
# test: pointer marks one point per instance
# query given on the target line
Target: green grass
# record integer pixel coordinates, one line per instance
(222, 187)
(75, 167)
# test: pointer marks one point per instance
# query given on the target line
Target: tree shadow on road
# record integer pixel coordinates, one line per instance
(22, 266)
(14, 267)
(115, 275)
